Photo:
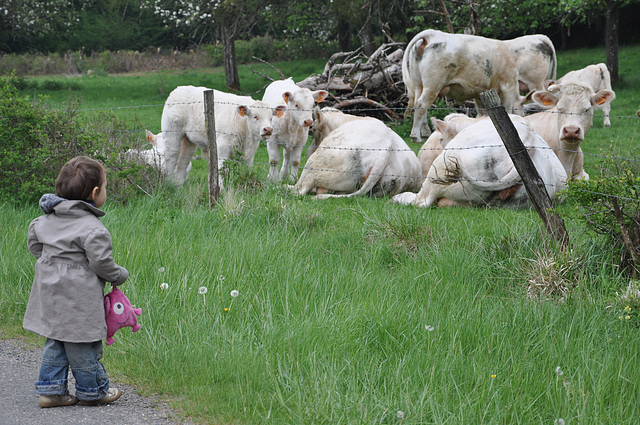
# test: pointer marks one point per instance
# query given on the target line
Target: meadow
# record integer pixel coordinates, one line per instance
(354, 311)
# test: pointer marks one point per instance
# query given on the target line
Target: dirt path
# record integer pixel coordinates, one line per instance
(19, 365)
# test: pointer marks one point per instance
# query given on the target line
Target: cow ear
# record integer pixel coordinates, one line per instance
(544, 98)
(317, 115)
(150, 138)
(439, 125)
(603, 96)
(320, 95)
(279, 111)
(243, 110)
(286, 96)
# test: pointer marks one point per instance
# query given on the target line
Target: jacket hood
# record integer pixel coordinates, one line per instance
(49, 201)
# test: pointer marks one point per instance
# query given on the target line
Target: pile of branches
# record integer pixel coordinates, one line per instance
(364, 85)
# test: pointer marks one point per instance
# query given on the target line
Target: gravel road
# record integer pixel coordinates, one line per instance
(19, 365)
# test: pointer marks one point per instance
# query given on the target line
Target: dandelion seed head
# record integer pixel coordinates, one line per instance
(234, 293)
(161, 269)
(559, 371)
(558, 421)
(221, 278)
(203, 290)
(429, 328)
(400, 414)
(164, 285)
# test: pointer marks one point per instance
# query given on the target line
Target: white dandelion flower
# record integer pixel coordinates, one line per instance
(234, 293)
(203, 290)
(429, 328)
(164, 286)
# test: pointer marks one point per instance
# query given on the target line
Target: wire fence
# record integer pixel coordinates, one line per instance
(134, 133)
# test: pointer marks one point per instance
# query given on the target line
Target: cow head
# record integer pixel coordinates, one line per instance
(258, 118)
(574, 104)
(156, 140)
(300, 104)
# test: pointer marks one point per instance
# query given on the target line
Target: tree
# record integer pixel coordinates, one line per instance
(207, 21)
(584, 9)
(21, 20)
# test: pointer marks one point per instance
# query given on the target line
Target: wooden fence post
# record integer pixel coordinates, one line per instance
(210, 122)
(532, 181)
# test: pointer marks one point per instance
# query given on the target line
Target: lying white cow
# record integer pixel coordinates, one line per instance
(569, 117)
(154, 156)
(445, 130)
(294, 107)
(241, 123)
(535, 58)
(598, 78)
(326, 120)
(458, 66)
(360, 156)
(476, 169)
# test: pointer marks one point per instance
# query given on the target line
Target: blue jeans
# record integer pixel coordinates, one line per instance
(92, 382)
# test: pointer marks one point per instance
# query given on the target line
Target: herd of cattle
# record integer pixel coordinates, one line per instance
(462, 162)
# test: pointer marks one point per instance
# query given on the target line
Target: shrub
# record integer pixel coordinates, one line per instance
(610, 206)
(36, 141)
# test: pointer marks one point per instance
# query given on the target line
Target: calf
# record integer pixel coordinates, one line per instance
(535, 58)
(459, 66)
(598, 78)
(569, 117)
(476, 169)
(293, 106)
(241, 123)
(155, 155)
(361, 156)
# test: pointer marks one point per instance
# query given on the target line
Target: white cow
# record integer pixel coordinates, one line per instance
(458, 66)
(598, 78)
(445, 130)
(241, 123)
(569, 117)
(476, 169)
(154, 156)
(326, 120)
(294, 107)
(360, 156)
(536, 61)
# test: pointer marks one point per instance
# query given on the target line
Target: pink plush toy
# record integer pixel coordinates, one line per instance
(119, 313)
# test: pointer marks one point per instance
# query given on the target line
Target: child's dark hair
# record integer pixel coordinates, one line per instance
(78, 177)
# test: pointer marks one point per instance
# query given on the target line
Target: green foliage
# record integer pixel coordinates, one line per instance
(36, 141)
(609, 205)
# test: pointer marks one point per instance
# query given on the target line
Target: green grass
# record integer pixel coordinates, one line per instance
(353, 310)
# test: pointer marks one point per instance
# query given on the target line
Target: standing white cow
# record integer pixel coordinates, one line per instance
(294, 107)
(598, 78)
(241, 123)
(459, 66)
(476, 169)
(360, 156)
(535, 58)
(569, 117)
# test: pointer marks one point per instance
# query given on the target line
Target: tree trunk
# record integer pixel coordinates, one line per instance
(344, 35)
(612, 39)
(229, 57)
(366, 35)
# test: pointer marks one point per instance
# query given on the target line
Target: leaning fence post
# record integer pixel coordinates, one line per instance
(532, 181)
(209, 115)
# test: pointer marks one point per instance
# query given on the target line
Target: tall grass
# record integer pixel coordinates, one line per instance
(356, 311)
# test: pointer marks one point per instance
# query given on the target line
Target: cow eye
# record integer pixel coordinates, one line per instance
(118, 308)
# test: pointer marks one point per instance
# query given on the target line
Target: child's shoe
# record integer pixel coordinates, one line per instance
(112, 395)
(57, 400)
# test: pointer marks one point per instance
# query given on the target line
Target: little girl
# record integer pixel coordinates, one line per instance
(66, 304)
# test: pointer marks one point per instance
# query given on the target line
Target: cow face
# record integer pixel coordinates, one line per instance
(574, 105)
(300, 105)
(258, 118)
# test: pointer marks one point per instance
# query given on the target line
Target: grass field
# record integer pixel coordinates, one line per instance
(356, 311)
